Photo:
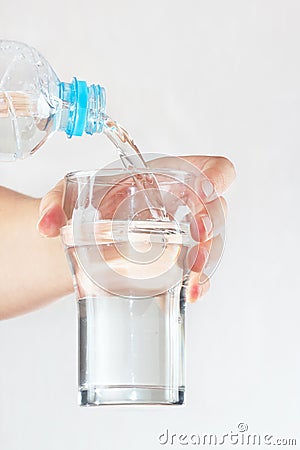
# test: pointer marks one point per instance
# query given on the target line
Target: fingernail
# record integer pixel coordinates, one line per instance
(195, 293)
(207, 188)
(41, 218)
(43, 213)
(208, 225)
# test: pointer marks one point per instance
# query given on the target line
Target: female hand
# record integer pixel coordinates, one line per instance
(215, 175)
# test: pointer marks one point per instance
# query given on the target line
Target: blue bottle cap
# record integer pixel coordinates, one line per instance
(84, 106)
(81, 99)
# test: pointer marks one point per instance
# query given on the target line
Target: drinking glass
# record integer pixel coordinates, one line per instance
(130, 264)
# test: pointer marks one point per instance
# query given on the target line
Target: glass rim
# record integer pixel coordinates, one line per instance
(75, 176)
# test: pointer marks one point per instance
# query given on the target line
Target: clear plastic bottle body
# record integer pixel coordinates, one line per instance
(29, 100)
(34, 103)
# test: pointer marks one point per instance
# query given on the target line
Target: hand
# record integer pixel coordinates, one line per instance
(219, 174)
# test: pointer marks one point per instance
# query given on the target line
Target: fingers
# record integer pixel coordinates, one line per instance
(209, 221)
(205, 257)
(52, 216)
(219, 170)
(221, 173)
(215, 174)
(198, 286)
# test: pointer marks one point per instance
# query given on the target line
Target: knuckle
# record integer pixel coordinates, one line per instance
(52, 197)
(225, 164)
(223, 172)
(229, 167)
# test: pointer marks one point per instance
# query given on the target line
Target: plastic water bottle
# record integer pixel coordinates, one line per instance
(34, 103)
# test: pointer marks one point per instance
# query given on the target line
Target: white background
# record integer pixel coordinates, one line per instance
(203, 77)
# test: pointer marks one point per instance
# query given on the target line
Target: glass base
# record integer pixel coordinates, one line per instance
(130, 395)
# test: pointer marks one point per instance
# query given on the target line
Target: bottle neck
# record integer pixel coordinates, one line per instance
(83, 108)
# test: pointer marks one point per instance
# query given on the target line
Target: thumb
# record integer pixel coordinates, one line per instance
(52, 215)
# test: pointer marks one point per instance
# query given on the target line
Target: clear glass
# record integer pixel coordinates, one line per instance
(130, 272)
